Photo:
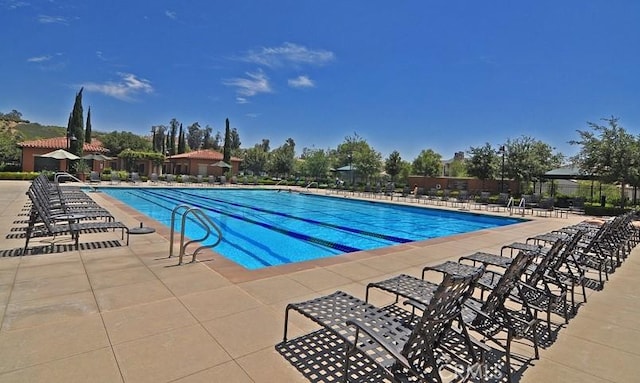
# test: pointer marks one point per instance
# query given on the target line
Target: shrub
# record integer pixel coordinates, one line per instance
(18, 175)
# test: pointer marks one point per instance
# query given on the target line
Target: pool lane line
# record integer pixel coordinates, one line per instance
(386, 237)
(291, 233)
(244, 251)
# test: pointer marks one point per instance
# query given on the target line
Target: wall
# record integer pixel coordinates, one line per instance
(473, 185)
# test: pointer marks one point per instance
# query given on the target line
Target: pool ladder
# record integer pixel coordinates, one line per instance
(202, 219)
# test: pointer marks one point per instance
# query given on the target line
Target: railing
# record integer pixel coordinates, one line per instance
(522, 205)
(203, 220)
(59, 175)
(311, 183)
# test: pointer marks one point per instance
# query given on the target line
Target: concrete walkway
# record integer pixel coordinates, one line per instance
(115, 313)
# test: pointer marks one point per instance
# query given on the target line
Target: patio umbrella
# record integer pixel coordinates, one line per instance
(60, 154)
(96, 157)
(221, 164)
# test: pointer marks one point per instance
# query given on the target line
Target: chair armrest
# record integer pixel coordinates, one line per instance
(381, 341)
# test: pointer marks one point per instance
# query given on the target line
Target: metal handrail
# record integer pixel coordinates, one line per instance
(204, 221)
(59, 175)
(173, 220)
(311, 183)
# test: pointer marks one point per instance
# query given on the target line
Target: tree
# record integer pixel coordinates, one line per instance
(14, 115)
(226, 153)
(182, 143)
(173, 131)
(9, 152)
(75, 127)
(610, 152)
(235, 139)
(458, 168)
(116, 142)
(527, 159)
(316, 163)
(367, 162)
(282, 158)
(87, 134)
(216, 141)
(195, 136)
(159, 138)
(357, 153)
(392, 165)
(482, 162)
(255, 159)
(207, 140)
(428, 163)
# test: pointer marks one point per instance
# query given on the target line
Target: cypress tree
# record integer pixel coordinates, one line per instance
(226, 153)
(75, 127)
(87, 133)
(181, 141)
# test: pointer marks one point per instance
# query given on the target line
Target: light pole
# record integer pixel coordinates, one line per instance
(502, 151)
(350, 157)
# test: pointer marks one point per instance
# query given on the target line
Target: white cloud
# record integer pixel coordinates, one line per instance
(11, 4)
(39, 59)
(170, 14)
(125, 89)
(46, 19)
(253, 84)
(242, 100)
(287, 53)
(301, 82)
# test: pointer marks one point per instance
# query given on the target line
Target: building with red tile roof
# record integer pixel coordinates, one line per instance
(32, 150)
(200, 162)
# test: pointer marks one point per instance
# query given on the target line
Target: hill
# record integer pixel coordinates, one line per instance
(31, 130)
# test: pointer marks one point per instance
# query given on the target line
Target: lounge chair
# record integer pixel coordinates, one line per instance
(135, 177)
(501, 203)
(46, 222)
(171, 179)
(185, 179)
(94, 177)
(115, 178)
(482, 201)
(402, 351)
(223, 180)
(211, 180)
(153, 178)
(490, 316)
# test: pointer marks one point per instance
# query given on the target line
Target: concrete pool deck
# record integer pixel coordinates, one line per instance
(109, 313)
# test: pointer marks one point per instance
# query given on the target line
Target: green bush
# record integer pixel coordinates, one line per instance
(18, 175)
(607, 211)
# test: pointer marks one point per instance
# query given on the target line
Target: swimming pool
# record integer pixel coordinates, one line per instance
(263, 228)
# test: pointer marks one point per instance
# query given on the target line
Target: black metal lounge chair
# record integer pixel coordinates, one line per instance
(401, 350)
(46, 222)
(94, 177)
(490, 316)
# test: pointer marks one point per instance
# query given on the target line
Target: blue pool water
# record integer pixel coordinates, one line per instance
(264, 228)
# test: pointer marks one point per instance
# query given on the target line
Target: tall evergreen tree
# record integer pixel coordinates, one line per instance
(173, 126)
(87, 132)
(226, 153)
(182, 142)
(75, 128)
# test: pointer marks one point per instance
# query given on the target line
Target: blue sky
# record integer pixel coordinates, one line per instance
(404, 75)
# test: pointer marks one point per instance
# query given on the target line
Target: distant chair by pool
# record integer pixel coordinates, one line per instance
(115, 178)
